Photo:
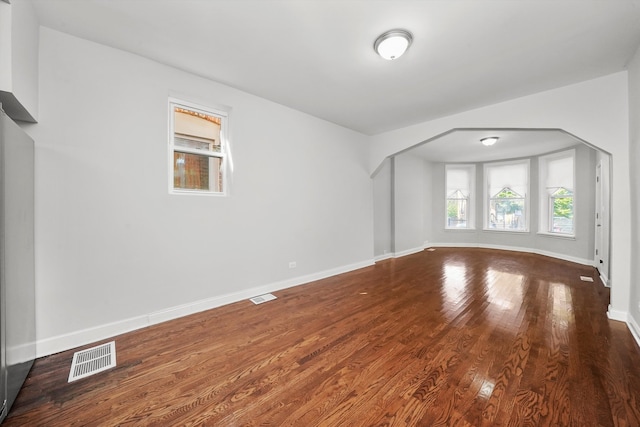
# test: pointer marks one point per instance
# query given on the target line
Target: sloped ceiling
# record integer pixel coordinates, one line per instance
(317, 55)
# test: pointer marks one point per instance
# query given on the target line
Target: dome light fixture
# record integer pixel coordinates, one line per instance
(392, 44)
(489, 141)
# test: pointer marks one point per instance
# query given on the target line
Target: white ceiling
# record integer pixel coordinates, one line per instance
(463, 145)
(317, 55)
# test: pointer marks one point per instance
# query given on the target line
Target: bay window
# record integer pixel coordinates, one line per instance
(557, 193)
(460, 185)
(507, 196)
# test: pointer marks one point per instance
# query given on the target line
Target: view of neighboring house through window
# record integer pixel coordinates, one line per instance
(197, 148)
(460, 183)
(506, 204)
(557, 193)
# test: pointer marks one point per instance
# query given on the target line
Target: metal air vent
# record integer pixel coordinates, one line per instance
(93, 360)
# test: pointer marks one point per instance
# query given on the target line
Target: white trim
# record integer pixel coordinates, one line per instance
(556, 235)
(382, 257)
(408, 252)
(563, 257)
(620, 316)
(634, 328)
(82, 337)
(623, 316)
(48, 346)
(401, 253)
(504, 230)
(21, 353)
(603, 277)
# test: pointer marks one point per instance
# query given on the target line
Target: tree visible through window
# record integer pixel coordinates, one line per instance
(562, 212)
(198, 149)
(557, 196)
(507, 210)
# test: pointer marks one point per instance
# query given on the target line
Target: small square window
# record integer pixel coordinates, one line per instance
(198, 151)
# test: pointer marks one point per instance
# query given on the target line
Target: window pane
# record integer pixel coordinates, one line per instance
(459, 193)
(194, 129)
(557, 193)
(562, 221)
(197, 172)
(198, 145)
(507, 185)
(507, 214)
(457, 213)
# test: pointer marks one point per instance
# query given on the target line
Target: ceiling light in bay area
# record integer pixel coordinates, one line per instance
(489, 141)
(392, 44)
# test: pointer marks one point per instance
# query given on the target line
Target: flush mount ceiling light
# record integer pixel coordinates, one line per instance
(392, 44)
(489, 141)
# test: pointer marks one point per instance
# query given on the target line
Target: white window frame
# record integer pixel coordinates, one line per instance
(545, 216)
(487, 196)
(223, 154)
(471, 222)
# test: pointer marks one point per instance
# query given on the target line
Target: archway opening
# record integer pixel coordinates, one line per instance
(410, 211)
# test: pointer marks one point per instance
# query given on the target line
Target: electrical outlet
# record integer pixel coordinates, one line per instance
(292, 264)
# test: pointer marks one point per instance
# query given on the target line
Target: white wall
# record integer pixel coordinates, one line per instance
(382, 194)
(408, 206)
(634, 160)
(5, 46)
(19, 59)
(429, 214)
(115, 251)
(596, 111)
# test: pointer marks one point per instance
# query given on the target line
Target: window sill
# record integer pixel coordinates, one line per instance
(557, 235)
(175, 192)
(464, 230)
(495, 230)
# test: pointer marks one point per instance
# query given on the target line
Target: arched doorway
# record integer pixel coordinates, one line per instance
(409, 195)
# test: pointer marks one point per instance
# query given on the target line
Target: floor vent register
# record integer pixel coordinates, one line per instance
(93, 360)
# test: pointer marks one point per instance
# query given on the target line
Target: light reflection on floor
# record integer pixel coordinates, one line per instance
(504, 292)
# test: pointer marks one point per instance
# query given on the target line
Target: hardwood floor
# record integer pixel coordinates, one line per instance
(452, 337)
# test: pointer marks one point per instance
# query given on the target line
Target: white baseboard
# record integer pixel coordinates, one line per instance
(56, 344)
(618, 315)
(20, 353)
(564, 257)
(408, 252)
(383, 257)
(623, 316)
(634, 328)
(52, 345)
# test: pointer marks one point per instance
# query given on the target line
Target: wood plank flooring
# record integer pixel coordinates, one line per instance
(451, 337)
